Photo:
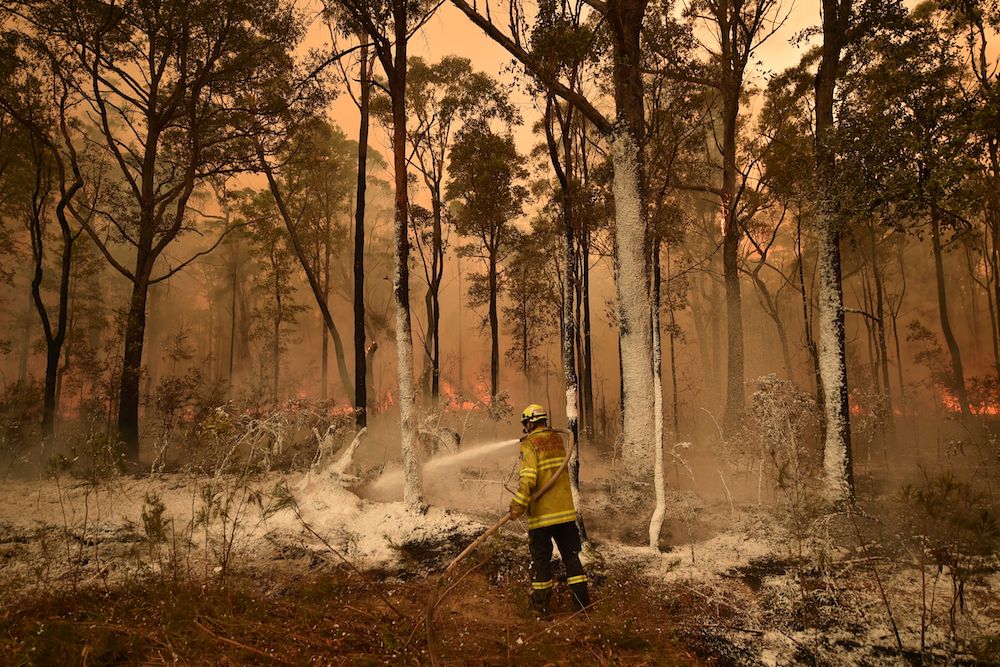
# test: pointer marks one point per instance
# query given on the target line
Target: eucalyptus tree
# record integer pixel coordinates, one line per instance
(623, 20)
(837, 458)
(318, 173)
(277, 263)
(486, 175)
(164, 84)
(736, 28)
(35, 95)
(921, 156)
(441, 98)
(389, 25)
(340, 24)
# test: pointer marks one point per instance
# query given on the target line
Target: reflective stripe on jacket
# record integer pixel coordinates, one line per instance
(542, 453)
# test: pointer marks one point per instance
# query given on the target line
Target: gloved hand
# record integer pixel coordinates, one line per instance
(516, 510)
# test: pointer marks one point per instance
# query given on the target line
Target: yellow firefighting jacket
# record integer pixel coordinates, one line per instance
(542, 452)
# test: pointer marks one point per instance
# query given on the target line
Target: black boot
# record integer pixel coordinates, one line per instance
(540, 601)
(581, 599)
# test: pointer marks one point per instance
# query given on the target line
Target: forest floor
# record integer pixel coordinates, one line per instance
(294, 569)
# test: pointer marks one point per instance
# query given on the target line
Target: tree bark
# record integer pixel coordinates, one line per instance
(494, 329)
(433, 296)
(837, 457)
(325, 357)
(587, 371)
(958, 375)
(135, 330)
(659, 484)
(276, 333)
(54, 339)
(234, 286)
(632, 240)
(412, 492)
(730, 246)
(360, 373)
(890, 417)
(569, 328)
(807, 321)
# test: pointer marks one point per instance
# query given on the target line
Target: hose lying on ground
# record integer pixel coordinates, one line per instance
(434, 599)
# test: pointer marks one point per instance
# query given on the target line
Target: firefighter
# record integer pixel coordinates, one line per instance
(550, 517)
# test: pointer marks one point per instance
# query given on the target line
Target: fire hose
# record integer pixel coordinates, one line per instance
(434, 599)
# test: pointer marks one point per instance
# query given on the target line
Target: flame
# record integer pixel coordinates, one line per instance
(454, 400)
(981, 409)
(853, 407)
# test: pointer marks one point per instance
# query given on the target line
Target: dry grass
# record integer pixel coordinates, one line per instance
(286, 614)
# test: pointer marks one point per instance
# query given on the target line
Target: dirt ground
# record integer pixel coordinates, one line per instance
(303, 609)
(181, 569)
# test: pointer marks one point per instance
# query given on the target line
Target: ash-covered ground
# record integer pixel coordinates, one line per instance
(734, 581)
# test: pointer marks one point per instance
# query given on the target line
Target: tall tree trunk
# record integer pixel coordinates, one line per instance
(587, 368)
(958, 375)
(233, 286)
(461, 332)
(632, 240)
(807, 322)
(675, 397)
(730, 252)
(494, 330)
(360, 373)
(659, 484)
(54, 339)
(276, 333)
(587, 371)
(564, 173)
(434, 295)
(837, 458)
(412, 493)
(837, 461)
(890, 416)
(135, 330)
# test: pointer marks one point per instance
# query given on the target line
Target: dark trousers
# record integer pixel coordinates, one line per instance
(567, 538)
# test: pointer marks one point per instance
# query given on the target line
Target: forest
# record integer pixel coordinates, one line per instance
(277, 278)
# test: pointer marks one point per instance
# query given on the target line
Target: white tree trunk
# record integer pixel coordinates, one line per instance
(412, 492)
(659, 485)
(574, 451)
(632, 287)
(831, 366)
